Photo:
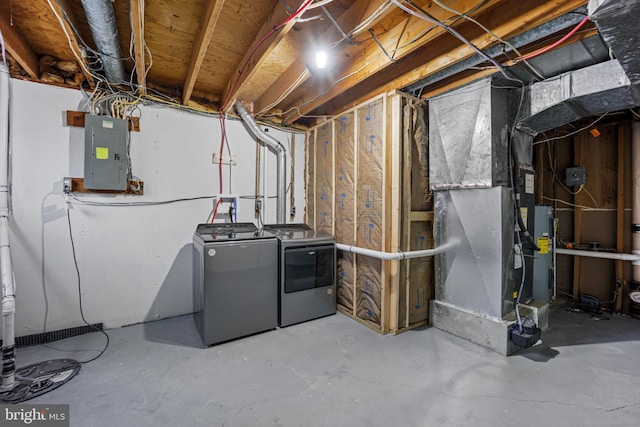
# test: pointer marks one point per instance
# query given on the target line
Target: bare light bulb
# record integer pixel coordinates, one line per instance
(321, 59)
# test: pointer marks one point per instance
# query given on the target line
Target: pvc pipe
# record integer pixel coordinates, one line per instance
(6, 270)
(635, 192)
(390, 256)
(634, 257)
(275, 146)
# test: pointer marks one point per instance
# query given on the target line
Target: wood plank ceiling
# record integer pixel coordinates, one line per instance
(210, 53)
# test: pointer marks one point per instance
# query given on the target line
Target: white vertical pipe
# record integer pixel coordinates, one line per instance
(635, 188)
(6, 271)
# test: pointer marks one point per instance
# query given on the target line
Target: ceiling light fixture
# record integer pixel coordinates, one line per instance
(321, 59)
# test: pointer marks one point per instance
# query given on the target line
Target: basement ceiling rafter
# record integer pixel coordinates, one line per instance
(137, 27)
(206, 54)
(207, 27)
(63, 12)
(258, 53)
(17, 46)
(298, 73)
(372, 73)
(404, 39)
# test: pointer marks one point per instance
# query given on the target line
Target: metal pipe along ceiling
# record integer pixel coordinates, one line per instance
(102, 22)
(275, 146)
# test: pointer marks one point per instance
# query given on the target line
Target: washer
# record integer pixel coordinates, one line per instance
(235, 281)
(307, 273)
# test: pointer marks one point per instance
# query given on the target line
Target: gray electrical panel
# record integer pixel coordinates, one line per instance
(105, 153)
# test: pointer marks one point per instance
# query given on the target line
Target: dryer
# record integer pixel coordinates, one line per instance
(307, 273)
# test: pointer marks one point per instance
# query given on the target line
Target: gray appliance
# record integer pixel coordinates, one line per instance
(307, 273)
(235, 281)
(542, 263)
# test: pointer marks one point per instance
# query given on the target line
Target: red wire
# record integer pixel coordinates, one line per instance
(224, 134)
(291, 17)
(554, 45)
(215, 210)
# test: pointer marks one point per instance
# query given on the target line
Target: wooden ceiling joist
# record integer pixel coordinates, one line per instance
(475, 75)
(18, 46)
(400, 41)
(61, 8)
(298, 73)
(200, 45)
(436, 51)
(258, 53)
(137, 24)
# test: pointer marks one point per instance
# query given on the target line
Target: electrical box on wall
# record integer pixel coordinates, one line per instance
(105, 153)
(575, 176)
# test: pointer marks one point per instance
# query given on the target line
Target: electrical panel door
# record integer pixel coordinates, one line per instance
(105, 153)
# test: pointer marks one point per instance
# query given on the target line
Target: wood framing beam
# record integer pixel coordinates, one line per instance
(18, 47)
(399, 41)
(200, 45)
(470, 76)
(137, 24)
(297, 73)
(258, 53)
(373, 73)
(61, 9)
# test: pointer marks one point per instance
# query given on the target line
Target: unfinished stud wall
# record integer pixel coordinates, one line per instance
(345, 205)
(370, 199)
(418, 226)
(600, 212)
(324, 178)
(367, 173)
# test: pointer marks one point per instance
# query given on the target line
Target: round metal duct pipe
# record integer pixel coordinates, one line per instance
(275, 146)
(102, 22)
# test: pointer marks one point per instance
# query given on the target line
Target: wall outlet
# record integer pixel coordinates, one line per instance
(66, 184)
(215, 158)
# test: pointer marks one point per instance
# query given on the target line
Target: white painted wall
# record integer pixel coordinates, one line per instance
(135, 262)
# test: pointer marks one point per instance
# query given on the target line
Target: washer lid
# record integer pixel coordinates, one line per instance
(229, 231)
(300, 232)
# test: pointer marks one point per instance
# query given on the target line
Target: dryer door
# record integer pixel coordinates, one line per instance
(308, 267)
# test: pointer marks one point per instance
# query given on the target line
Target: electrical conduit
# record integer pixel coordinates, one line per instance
(6, 270)
(275, 146)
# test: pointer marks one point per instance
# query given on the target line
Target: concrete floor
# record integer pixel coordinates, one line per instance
(336, 372)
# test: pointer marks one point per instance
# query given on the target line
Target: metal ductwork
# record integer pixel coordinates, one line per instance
(102, 22)
(468, 137)
(571, 96)
(275, 146)
(617, 22)
(609, 86)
